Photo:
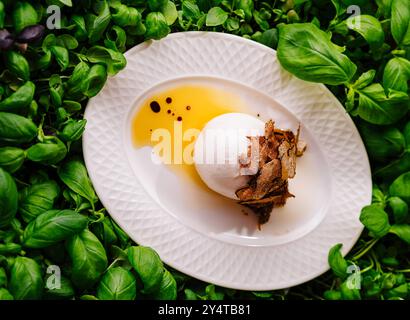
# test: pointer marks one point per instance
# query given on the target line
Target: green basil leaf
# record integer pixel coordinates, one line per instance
(125, 16)
(72, 131)
(17, 64)
(88, 259)
(156, 5)
(67, 3)
(400, 22)
(117, 284)
(67, 41)
(61, 55)
(50, 152)
(385, 7)
(400, 292)
(10, 249)
(216, 16)
(399, 208)
(116, 39)
(168, 287)
(382, 143)
(5, 295)
(190, 10)
(2, 17)
(8, 198)
(94, 81)
(364, 80)
(394, 168)
(212, 294)
(349, 293)
(402, 231)
(15, 129)
(114, 61)
(369, 28)
(53, 226)
(80, 27)
(232, 24)
(64, 291)
(376, 220)
(75, 83)
(336, 261)
(307, 52)
(190, 295)
(260, 20)
(104, 231)
(23, 15)
(37, 198)
(378, 108)
(11, 158)
(74, 174)
(247, 6)
(26, 282)
(270, 38)
(397, 74)
(157, 26)
(332, 295)
(401, 187)
(96, 25)
(19, 99)
(148, 265)
(169, 10)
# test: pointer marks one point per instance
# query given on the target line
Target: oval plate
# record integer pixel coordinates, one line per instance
(230, 256)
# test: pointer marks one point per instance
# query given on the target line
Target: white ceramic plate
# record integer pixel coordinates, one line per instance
(190, 229)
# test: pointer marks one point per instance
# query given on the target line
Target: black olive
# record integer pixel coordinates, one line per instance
(31, 34)
(6, 40)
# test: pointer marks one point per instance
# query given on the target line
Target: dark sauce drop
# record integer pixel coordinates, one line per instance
(259, 115)
(173, 114)
(188, 108)
(169, 100)
(179, 119)
(155, 107)
(169, 111)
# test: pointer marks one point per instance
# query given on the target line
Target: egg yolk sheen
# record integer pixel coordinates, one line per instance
(170, 122)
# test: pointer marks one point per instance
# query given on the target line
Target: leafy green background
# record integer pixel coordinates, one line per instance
(49, 212)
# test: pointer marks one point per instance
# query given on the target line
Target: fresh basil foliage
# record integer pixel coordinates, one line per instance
(307, 52)
(376, 220)
(401, 187)
(113, 60)
(51, 151)
(369, 27)
(382, 143)
(168, 287)
(88, 258)
(26, 281)
(94, 81)
(336, 261)
(37, 198)
(11, 158)
(377, 107)
(148, 266)
(157, 26)
(117, 284)
(15, 129)
(65, 290)
(216, 16)
(399, 208)
(400, 22)
(23, 15)
(397, 74)
(402, 231)
(74, 174)
(8, 198)
(53, 226)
